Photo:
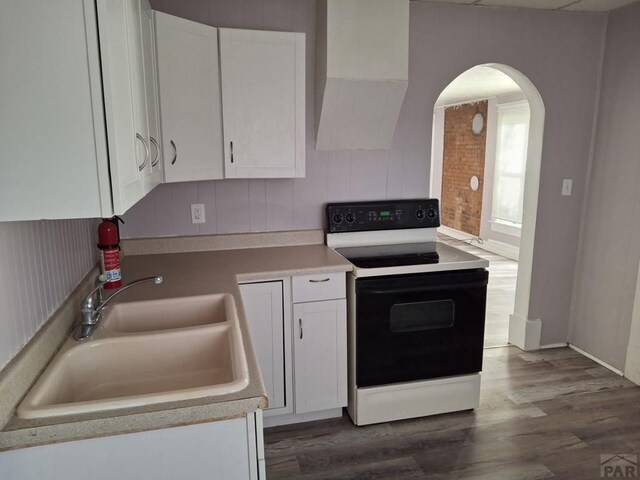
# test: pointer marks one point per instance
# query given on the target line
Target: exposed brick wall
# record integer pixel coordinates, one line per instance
(463, 158)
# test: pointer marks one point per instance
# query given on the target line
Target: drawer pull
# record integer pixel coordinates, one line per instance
(320, 281)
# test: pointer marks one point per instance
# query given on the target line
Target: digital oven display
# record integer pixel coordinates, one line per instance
(385, 214)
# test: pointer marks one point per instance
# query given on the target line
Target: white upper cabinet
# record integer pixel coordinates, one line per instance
(154, 174)
(263, 103)
(124, 88)
(90, 112)
(51, 115)
(74, 125)
(254, 93)
(189, 85)
(131, 99)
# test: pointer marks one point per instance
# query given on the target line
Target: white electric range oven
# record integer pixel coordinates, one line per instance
(416, 311)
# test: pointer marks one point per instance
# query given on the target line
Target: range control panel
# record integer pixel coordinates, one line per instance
(383, 215)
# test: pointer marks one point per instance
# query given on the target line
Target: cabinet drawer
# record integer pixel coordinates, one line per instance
(320, 286)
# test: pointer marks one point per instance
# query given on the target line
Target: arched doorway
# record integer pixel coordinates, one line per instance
(523, 333)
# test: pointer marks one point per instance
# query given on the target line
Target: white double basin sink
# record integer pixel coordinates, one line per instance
(145, 353)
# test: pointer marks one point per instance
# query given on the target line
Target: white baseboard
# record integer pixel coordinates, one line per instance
(524, 333)
(632, 366)
(597, 360)
(277, 420)
(554, 345)
(493, 246)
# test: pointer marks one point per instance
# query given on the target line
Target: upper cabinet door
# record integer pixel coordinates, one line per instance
(120, 30)
(189, 86)
(153, 172)
(52, 136)
(263, 101)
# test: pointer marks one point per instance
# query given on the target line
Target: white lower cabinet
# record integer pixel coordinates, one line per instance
(320, 355)
(225, 450)
(301, 347)
(264, 307)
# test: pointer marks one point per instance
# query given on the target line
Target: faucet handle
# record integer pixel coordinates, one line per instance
(99, 283)
(89, 302)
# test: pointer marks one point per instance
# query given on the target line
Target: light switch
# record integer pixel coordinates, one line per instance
(567, 183)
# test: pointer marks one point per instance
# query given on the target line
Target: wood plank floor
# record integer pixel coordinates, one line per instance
(501, 291)
(549, 414)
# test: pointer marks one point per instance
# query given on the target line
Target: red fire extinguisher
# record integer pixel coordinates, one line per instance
(109, 245)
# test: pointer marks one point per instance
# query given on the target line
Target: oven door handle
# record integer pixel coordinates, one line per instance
(434, 288)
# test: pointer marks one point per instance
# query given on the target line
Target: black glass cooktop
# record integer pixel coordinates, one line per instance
(381, 256)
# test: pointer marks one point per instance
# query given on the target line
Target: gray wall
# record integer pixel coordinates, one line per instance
(40, 264)
(558, 51)
(608, 259)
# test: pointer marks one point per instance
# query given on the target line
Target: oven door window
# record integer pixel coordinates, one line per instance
(421, 316)
(418, 327)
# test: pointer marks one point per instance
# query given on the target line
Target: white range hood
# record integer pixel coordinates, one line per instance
(362, 72)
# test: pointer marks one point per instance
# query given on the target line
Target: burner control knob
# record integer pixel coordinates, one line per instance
(350, 217)
(420, 213)
(338, 218)
(431, 213)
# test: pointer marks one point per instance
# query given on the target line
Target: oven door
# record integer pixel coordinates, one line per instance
(417, 327)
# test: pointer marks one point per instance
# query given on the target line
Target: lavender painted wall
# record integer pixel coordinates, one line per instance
(558, 51)
(40, 265)
(607, 266)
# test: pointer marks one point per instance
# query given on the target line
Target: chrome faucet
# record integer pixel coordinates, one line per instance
(93, 304)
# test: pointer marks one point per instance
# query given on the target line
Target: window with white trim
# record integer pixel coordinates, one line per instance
(511, 160)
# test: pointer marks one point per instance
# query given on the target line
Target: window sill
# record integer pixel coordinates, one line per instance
(505, 228)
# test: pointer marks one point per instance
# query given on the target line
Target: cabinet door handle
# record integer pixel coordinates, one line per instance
(155, 144)
(301, 331)
(175, 152)
(231, 144)
(146, 152)
(320, 281)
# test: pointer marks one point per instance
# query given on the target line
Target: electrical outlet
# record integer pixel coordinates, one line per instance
(567, 183)
(197, 213)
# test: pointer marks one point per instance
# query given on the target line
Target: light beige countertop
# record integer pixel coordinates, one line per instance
(185, 274)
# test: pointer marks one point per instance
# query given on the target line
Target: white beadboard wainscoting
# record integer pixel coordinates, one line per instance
(41, 263)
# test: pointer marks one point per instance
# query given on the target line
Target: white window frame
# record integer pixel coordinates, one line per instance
(496, 224)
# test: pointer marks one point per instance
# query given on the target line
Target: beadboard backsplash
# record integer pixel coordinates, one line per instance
(40, 264)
